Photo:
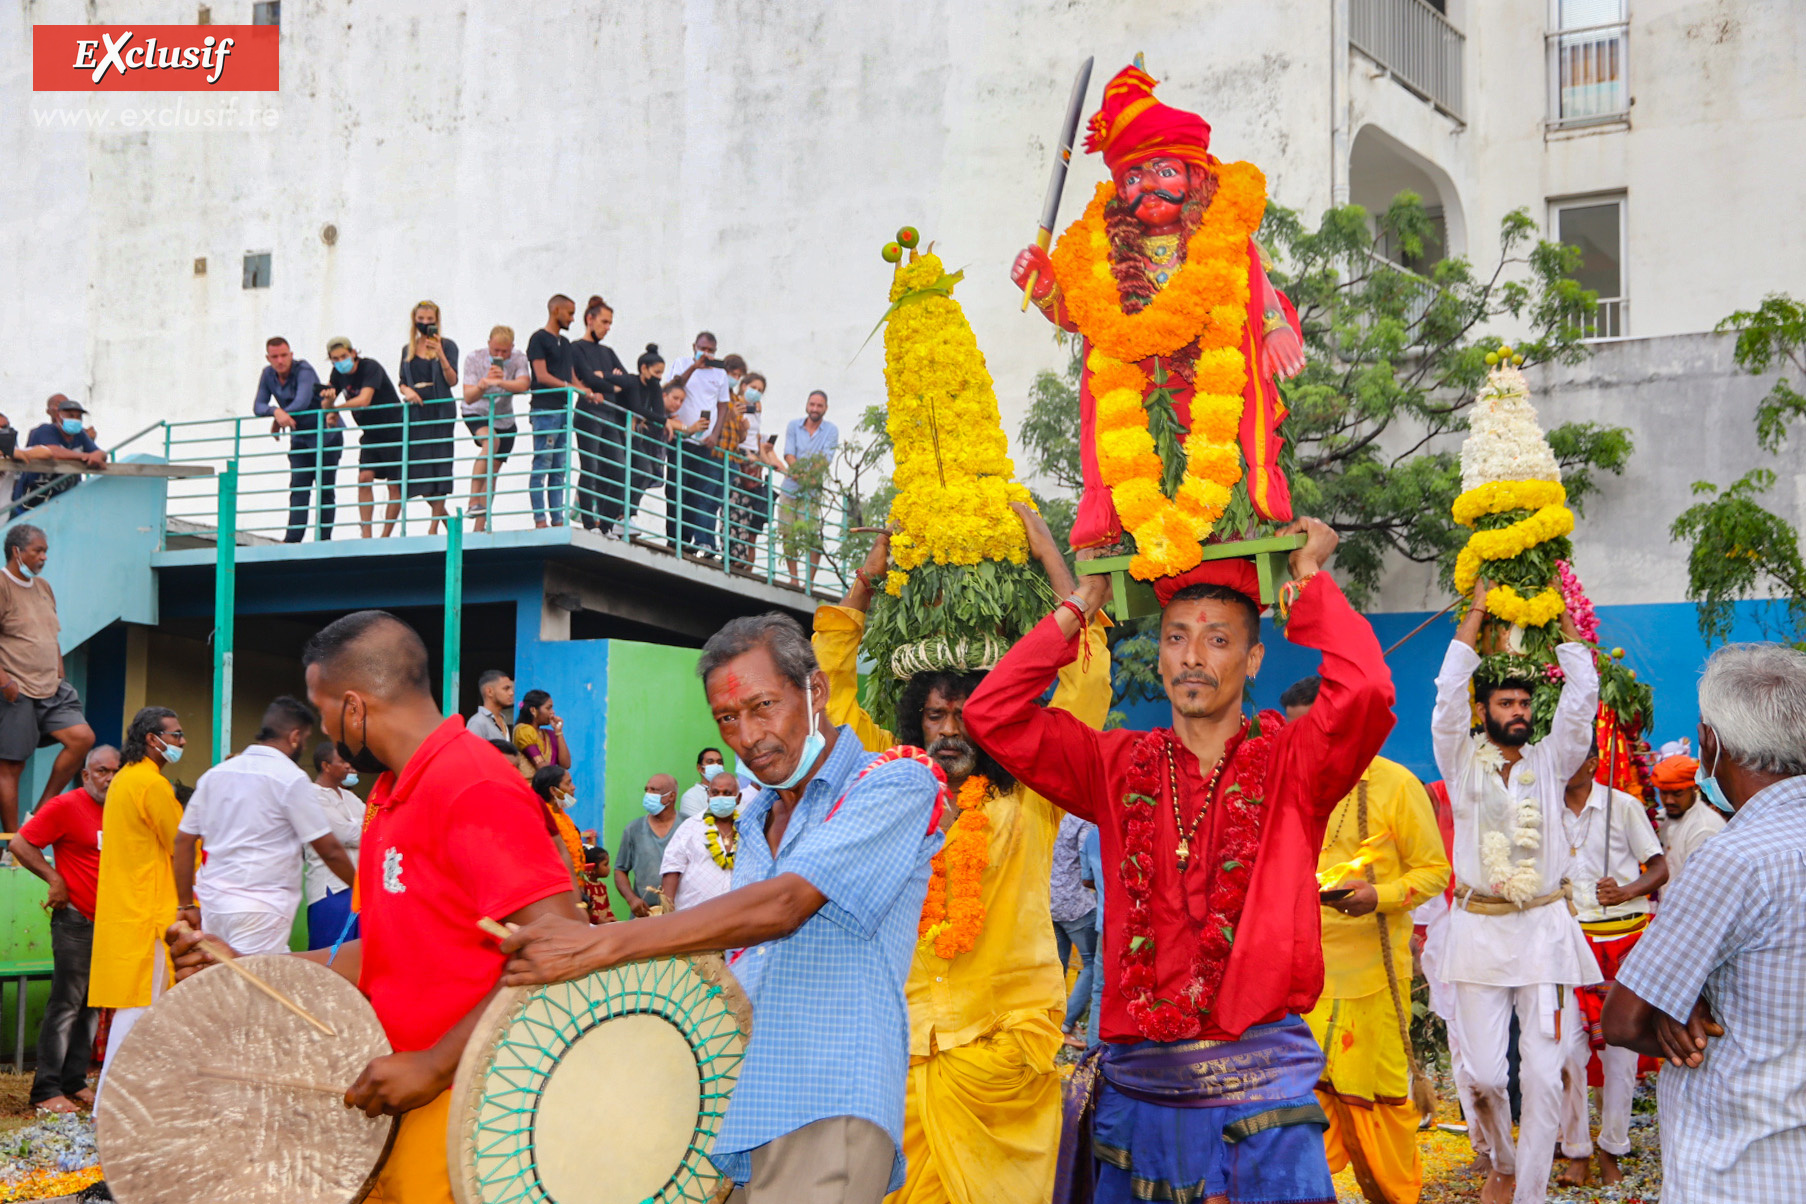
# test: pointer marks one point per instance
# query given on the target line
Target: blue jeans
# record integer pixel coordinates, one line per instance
(546, 484)
(1097, 997)
(1080, 934)
(694, 496)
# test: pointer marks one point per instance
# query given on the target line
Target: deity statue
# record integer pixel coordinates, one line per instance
(1184, 335)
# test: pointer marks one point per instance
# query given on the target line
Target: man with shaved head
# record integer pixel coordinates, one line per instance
(453, 834)
(640, 858)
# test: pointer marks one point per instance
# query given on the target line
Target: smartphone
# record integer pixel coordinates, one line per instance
(432, 330)
(770, 440)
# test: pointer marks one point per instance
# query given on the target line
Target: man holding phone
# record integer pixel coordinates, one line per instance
(696, 476)
(493, 375)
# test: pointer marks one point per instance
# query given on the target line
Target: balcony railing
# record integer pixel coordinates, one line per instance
(1606, 322)
(1589, 82)
(569, 465)
(1415, 43)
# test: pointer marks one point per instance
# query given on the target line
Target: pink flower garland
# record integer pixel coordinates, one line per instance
(1578, 605)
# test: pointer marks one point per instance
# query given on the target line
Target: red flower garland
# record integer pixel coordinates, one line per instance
(1230, 866)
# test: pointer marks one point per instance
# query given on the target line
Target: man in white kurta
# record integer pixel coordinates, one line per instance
(1611, 885)
(1511, 942)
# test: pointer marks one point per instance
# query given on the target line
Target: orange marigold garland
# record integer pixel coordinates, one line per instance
(1204, 303)
(954, 912)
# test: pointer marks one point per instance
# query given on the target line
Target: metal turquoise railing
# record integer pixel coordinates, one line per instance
(565, 462)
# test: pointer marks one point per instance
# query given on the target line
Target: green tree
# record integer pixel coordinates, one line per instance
(1739, 549)
(1048, 442)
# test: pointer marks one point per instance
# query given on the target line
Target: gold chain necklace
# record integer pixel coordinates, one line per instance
(1210, 791)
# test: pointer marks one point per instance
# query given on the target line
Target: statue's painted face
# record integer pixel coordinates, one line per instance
(1155, 190)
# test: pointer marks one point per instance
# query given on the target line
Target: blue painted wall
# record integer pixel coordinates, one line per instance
(1661, 641)
(575, 674)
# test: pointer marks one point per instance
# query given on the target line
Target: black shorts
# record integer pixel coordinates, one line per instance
(504, 440)
(381, 460)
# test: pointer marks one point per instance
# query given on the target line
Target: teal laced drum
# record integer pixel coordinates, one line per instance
(606, 1090)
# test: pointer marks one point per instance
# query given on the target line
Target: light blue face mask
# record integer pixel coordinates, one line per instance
(654, 803)
(812, 747)
(344, 366)
(72, 426)
(171, 752)
(1709, 787)
(723, 805)
(350, 779)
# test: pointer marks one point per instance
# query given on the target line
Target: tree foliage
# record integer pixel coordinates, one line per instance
(1738, 548)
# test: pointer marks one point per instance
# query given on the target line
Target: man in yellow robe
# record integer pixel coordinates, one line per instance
(982, 1111)
(135, 900)
(1363, 1017)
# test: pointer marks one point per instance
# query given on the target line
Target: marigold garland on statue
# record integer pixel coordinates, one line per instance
(953, 913)
(1205, 303)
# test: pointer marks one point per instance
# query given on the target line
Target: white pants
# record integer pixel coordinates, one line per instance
(1619, 1084)
(1464, 1088)
(250, 932)
(125, 1018)
(1483, 1025)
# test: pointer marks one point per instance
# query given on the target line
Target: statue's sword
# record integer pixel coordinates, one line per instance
(1050, 208)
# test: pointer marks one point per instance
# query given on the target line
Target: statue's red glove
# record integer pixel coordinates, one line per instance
(1034, 260)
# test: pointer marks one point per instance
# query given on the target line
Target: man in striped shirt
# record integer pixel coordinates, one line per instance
(1718, 986)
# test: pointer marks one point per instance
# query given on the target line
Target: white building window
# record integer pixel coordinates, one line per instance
(1595, 225)
(1588, 51)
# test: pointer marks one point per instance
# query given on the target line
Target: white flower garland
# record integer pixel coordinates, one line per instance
(1516, 881)
(1505, 442)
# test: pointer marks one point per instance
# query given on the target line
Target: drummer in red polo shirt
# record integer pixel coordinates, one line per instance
(69, 826)
(453, 835)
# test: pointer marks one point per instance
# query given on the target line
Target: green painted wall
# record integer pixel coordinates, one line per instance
(657, 720)
(24, 935)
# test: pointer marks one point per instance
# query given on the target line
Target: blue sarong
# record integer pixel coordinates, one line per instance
(1197, 1122)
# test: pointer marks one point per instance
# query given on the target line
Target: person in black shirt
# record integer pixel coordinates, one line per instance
(365, 389)
(549, 352)
(600, 492)
(644, 400)
(291, 395)
(429, 372)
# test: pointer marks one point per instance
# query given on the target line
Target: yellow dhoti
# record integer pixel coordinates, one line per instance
(981, 1122)
(417, 1170)
(1365, 1091)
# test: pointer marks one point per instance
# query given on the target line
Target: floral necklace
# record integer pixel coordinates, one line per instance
(953, 912)
(1206, 303)
(711, 837)
(1229, 864)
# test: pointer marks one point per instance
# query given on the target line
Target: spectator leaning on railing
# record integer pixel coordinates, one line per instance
(492, 376)
(695, 493)
(365, 390)
(426, 378)
(749, 502)
(601, 484)
(652, 405)
(36, 700)
(289, 395)
(809, 446)
(550, 354)
(65, 438)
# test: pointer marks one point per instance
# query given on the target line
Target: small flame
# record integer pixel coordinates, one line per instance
(1365, 856)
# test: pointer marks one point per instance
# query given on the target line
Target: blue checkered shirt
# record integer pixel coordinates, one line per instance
(830, 1021)
(1734, 930)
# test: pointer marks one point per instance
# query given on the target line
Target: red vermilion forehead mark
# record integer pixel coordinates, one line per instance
(733, 689)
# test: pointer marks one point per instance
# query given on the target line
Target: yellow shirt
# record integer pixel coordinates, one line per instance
(1411, 868)
(135, 901)
(1014, 968)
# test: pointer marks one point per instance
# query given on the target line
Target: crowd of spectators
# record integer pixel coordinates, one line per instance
(690, 429)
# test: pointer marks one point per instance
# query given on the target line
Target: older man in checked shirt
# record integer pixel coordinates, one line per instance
(1718, 986)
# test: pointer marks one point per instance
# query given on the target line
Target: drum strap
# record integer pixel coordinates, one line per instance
(350, 919)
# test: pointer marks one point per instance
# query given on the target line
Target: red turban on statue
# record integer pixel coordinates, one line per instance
(1674, 773)
(1132, 127)
(1236, 573)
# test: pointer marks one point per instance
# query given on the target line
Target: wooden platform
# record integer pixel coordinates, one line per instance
(1131, 599)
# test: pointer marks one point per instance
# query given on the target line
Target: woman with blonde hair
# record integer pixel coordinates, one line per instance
(429, 373)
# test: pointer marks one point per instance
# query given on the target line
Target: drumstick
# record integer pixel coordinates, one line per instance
(500, 932)
(213, 1072)
(224, 956)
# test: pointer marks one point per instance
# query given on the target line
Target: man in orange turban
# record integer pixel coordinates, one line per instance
(1686, 823)
(1159, 216)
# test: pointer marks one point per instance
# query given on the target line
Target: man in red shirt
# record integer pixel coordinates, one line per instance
(69, 826)
(1210, 831)
(454, 834)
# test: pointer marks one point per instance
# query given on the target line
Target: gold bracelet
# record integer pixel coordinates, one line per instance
(1275, 321)
(1046, 303)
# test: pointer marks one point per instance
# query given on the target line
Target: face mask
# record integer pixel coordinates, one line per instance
(753, 395)
(424, 327)
(723, 805)
(363, 759)
(171, 752)
(343, 367)
(709, 770)
(25, 573)
(350, 780)
(654, 803)
(812, 747)
(1709, 787)
(72, 426)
